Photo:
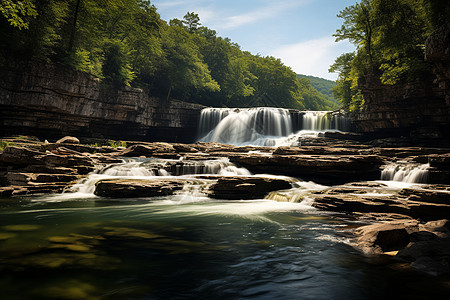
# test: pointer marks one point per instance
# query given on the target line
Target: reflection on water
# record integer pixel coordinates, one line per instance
(188, 246)
(160, 249)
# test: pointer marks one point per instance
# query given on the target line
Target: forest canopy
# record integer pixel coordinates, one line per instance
(125, 42)
(390, 38)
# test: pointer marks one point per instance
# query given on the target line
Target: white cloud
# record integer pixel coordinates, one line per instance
(272, 10)
(312, 57)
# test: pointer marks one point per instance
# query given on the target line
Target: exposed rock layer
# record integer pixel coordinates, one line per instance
(420, 110)
(51, 102)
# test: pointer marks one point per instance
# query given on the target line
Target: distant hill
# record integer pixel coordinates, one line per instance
(323, 86)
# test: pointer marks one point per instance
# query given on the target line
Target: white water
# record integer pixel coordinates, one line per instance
(264, 126)
(148, 168)
(406, 172)
(256, 126)
(323, 121)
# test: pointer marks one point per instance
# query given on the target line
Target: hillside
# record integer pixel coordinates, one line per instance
(322, 85)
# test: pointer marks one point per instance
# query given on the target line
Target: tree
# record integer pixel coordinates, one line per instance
(358, 27)
(18, 13)
(191, 21)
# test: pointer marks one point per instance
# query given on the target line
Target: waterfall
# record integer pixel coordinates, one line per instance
(139, 168)
(411, 173)
(244, 126)
(324, 120)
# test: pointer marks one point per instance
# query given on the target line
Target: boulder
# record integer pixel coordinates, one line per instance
(246, 188)
(68, 140)
(162, 150)
(134, 188)
(429, 256)
(384, 237)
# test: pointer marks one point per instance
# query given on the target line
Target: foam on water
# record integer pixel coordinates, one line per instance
(406, 172)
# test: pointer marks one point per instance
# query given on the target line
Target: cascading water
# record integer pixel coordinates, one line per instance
(255, 126)
(265, 126)
(147, 168)
(324, 120)
(403, 172)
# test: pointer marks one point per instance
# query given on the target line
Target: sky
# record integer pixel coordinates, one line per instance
(299, 32)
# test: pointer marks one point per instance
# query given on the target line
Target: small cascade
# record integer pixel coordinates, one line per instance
(299, 194)
(406, 172)
(249, 126)
(324, 120)
(147, 168)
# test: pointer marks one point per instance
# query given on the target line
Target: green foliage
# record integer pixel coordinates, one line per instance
(4, 145)
(18, 13)
(117, 144)
(125, 42)
(390, 37)
(324, 87)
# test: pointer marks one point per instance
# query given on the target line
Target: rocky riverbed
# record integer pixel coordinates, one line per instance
(408, 223)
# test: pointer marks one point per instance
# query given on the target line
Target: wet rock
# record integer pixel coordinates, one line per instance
(319, 168)
(384, 237)
(315, 150)
(420, 202)
(438, 227)
(422, 236)
(351, 136)
(161, 150)
(68, 140)
(133, 188)
(25, 178)
(237, 188)
(440, 168)
(430, 256)
(6, 191)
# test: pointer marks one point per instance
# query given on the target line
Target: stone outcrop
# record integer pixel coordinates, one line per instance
(27, 171)
(50, 102)
(245, 188)
(319, 168)
(418, 111)
(428, 202)
(133, 188)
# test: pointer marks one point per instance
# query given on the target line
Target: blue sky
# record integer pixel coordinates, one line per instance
(299, 32)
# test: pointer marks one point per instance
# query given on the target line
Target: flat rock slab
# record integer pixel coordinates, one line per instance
(427, 202)
(319, 168)
(246, 188)
(135, 188)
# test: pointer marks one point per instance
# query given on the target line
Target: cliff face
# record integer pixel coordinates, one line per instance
(418, 110)
(50, 102)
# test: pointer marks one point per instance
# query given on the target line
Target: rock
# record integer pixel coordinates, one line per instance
(52, 101)
(429, 193)
(373, 198)
(343, 135)
(25, 178)
(21, 156)
(384, 237)
(315, 150)
(422, 236)
(162, 150)
(6, 191)
(439, 227)
(319, 168)
(68, 140)
(133, 188)
(245, 188)
(430, 256)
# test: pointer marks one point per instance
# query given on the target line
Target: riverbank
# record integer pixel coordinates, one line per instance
(403, 220)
